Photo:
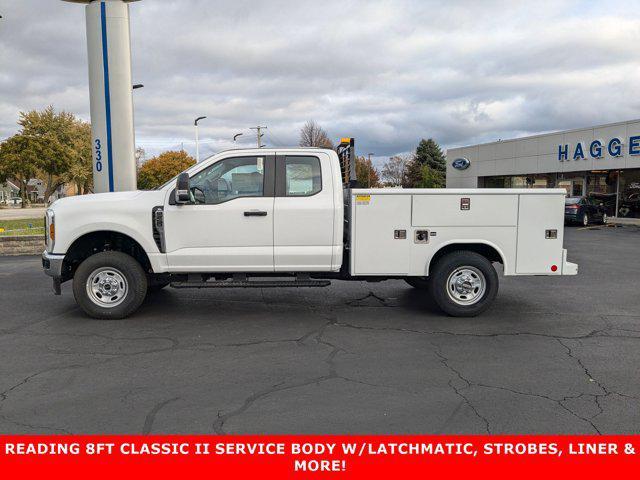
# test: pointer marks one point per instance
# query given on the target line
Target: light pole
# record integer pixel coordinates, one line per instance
(235, 137)
(197, 140)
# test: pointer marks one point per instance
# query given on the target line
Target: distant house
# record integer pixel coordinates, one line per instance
(8, 190)
(35, 190)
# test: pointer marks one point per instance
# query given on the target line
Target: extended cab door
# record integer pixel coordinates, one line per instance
(229, 225)
(304, 213)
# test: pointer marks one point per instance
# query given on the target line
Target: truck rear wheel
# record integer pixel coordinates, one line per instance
(109, 285)
(463, 283)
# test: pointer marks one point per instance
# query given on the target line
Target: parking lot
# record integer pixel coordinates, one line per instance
(553, 355)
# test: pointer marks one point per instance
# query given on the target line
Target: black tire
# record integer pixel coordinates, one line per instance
(585, 220)
(124, 270)
(458, 263)
(421, 283)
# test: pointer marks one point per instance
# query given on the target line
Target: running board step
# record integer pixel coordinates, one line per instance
(253, 284)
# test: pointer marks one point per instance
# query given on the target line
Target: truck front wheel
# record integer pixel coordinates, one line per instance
(463, 283)
(109, 285)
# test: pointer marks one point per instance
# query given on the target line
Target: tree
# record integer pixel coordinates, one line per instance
(430, 178)
(17, 163)
(163, 168)
(313, 135)
(140, 156)
(81, 169)
(427, 167)
(429, 153)
(366, 173)
(394, 170)
(49, 141)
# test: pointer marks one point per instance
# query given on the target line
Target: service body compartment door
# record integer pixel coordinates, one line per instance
(538, 214)
(382, 235)
(465, 210)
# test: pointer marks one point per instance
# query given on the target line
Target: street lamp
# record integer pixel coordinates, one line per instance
(235, 137)
(197, 144)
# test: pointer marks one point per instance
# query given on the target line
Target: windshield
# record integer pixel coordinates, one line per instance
(572, 200)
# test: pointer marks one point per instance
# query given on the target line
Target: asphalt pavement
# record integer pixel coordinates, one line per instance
(552, 355)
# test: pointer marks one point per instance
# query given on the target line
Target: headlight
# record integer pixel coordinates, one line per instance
(50, 230)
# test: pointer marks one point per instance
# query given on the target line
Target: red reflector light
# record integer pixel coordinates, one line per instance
(573, 207)
(554, 268)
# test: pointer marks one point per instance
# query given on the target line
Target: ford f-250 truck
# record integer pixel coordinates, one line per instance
(292, 218)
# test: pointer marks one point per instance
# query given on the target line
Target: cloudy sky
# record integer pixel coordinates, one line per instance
(386, 72)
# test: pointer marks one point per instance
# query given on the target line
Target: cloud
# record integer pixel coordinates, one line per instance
(386, 72)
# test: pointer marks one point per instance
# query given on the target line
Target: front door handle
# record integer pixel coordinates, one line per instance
(255, 213)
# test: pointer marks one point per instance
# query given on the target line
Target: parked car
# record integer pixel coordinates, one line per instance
(14, 201)
(584, 210)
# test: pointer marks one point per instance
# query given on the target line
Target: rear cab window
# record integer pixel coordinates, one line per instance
(303, 177)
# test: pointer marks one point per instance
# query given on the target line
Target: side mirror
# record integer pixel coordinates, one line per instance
(182, 189)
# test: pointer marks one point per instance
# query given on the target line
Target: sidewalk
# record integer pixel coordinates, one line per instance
(18, 213)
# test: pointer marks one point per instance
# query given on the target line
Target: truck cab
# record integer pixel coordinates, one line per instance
(294, 218)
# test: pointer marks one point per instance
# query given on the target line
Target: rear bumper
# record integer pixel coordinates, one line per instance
(571, 217)
(568, 268)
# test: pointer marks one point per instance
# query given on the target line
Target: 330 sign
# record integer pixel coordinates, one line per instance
(98, 154)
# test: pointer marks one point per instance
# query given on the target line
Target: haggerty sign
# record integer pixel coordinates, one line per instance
(597, 148)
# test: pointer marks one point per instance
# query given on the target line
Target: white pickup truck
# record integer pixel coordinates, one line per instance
(292, 218)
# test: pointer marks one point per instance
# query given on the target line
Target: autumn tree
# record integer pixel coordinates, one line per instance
(80, 170)
(313, 135)
(366, 173)
(17, 163)
(163, 168)
(394, 170)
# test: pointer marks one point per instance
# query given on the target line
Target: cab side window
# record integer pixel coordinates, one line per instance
(228, 179)
(302, 176)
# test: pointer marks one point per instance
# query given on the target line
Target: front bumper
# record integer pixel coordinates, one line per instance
(52, 266)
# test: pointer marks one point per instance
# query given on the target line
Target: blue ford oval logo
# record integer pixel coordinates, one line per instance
(460, 163)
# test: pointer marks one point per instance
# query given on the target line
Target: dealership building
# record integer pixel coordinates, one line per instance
(600, 162)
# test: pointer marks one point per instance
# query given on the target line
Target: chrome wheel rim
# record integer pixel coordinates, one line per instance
(107, 287)
(605, 218)
(585, 220)
(466, 285)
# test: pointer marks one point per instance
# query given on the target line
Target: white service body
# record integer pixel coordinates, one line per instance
(512, 221)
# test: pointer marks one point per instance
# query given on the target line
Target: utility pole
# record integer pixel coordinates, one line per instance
(258, 130)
